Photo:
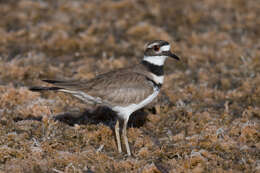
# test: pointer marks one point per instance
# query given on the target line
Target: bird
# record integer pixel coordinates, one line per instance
(123, 90)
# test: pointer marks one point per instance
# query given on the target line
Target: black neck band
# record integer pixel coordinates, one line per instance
(155, 69)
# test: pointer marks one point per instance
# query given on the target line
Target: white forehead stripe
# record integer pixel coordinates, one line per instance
(156, 60)
(165, 48)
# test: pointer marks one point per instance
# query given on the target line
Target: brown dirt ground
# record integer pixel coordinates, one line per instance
(205, 120)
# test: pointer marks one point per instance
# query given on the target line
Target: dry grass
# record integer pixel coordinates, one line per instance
(206, 119)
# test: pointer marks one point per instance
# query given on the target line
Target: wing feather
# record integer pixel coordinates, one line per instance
(120, 87)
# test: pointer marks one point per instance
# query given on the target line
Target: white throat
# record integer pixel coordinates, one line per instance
(156, 60)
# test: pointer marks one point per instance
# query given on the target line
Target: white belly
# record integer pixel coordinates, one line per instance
(125, 112)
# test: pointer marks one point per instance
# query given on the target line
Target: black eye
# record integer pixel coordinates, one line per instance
(156, 48)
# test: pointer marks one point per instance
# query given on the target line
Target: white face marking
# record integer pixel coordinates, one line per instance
(156, 60)
(152, 45)
(158, 79)
(125, 112)
(165, 48)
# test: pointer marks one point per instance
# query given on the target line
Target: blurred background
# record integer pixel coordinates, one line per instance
(206, 118)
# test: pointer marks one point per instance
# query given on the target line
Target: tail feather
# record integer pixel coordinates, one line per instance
(38, 88)
(64, 84)
(53, 81)
(59, 85)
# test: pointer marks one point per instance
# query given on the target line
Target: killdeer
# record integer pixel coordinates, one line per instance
(124, 90)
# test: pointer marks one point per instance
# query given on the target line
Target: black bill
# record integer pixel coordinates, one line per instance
(170, 54)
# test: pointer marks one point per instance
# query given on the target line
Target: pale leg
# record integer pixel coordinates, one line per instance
(125, 137)
(117, 128)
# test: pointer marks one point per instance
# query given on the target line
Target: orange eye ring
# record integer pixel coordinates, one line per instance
(156, 48)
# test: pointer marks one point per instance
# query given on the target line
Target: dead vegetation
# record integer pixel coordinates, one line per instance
(206, 119)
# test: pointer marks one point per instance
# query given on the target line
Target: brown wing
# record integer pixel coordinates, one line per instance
(121, 87)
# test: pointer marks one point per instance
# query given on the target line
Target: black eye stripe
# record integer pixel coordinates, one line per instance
(163, 44)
